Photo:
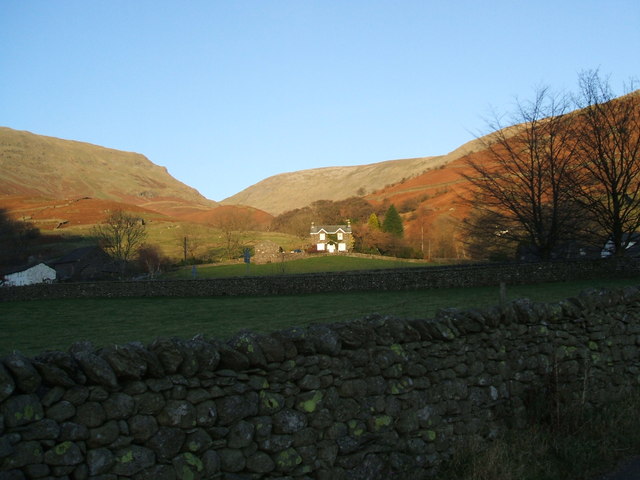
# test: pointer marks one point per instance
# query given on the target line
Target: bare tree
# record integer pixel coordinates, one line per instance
(523, 185)
(608, 184)
(121, 234)
(235, 225)
(150, 258)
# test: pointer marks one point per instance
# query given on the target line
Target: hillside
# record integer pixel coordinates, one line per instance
(287, 191)
(36, 166)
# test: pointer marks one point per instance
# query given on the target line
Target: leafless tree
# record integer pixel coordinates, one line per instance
(522, 185)
(121, 235)
(235, 225)
(608, 134)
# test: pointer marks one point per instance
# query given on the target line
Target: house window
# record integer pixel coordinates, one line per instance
(323, 236)
(340, 236)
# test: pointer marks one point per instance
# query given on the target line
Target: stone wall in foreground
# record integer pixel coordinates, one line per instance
(388, 279)
(376, 398)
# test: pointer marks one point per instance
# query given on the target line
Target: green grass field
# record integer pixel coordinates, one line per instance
(318, 264)
(35, 326)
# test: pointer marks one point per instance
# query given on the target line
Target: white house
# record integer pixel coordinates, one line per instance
(39, 273)
(331, 238)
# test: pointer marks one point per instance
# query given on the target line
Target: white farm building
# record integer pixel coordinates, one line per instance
(39, 273)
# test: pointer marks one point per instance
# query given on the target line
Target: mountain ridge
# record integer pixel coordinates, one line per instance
(49, 167)
(286, 191)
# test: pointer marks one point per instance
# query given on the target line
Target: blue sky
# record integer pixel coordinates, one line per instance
(225, 93)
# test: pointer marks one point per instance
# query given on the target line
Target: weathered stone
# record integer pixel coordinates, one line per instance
(272, 349)
(177, 413)
(287, 460)
(260, 462)
(211, 462)
(100, 461)
(37, 470)
(97, 394)
(91, 414)
(45, 429)
(154, 365)
(198, 441)
(97, 369)
(169, 354)
(240, 435)
(142, 427)
(188, 467)
(206, 353)
(64, 362)
(104, 434)
(371, 467)
(149, 403)
(231, 460)
(13, 475)
(304, 437)
(76, 395)
(119, 406)
(73, 431)
(132, 460)
(23, 454)
(236, 407)
(276, 443)
(51, 396)
(197, 395)
(289, 421)
(25, 375)
(156, 472)
(270, 402)
(5, 446)
(246, 343)
(64, 454)
(325, 340)
(189, 365)
(309, 402)
(353, 388)
(309, 382)
(21, 410)
(232, 359)
(167, 443)
(80, 472)
(125, 361)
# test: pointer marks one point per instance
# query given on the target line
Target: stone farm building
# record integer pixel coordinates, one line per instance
(332, 238)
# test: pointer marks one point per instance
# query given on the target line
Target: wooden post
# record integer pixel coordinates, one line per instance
(503, 294)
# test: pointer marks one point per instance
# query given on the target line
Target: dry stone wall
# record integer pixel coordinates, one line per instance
(388, 279)
(375, 398)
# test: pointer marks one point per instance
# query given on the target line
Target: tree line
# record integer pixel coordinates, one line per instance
(563, 177)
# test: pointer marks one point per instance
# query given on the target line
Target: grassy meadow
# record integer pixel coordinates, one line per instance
(317, 264)
(35, 326)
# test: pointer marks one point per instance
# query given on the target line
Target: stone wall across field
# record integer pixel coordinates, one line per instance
(388, 279)
(375, 398)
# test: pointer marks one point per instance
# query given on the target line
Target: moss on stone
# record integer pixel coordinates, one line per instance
(62, 448)
(311, 404)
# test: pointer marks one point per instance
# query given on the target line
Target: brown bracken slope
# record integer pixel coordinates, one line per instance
(57, 183)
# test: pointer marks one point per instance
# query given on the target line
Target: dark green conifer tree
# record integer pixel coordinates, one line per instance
(392, 222)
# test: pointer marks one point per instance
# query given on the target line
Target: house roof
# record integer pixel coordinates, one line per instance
(330, 229)
(22, 268)
(78, 254)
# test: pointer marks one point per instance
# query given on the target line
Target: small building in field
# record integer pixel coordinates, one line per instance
(332, 238)
(86, 263)
(18, 277)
